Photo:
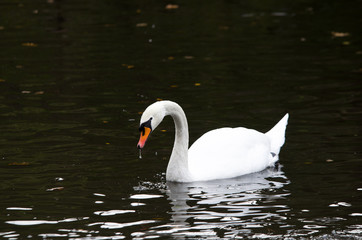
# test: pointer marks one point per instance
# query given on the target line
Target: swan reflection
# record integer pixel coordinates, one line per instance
(250, 201)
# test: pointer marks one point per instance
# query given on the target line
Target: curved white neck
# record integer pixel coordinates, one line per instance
(177, 169)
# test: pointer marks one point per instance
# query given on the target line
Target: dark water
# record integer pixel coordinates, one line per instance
(75, 75)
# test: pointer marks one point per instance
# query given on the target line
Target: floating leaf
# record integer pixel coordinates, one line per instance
(197, 84)
(29, 44)
(346, 43)
(39, 93)
(340, 34)
(141, 25)
(19, 164)
(159, 99)
(188, 57)
(171, 6)
(2, 80)
(2, 28)
(174, 86)
(329, 160)
(25, 92)
(171, 58)
(128, 66)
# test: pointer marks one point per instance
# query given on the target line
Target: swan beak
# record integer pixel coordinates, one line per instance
(143, 138)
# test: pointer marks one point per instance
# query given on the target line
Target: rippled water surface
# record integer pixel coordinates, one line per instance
(76, 75)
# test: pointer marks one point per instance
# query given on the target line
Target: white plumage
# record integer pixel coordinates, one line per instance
(220, 153)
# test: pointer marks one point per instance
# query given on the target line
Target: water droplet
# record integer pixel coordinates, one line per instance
(140, 157)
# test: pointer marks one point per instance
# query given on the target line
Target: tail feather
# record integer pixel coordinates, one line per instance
(276, 136)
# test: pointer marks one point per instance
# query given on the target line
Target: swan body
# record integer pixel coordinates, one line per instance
(218, 154)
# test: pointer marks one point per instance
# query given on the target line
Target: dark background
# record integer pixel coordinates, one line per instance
(76, 75)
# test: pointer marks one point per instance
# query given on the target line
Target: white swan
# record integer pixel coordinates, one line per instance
(220, 153)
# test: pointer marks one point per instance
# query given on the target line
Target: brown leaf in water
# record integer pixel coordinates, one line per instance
(141, 25)
(29, 44)
(128, 66)
(19, 164)
(171, 6)
(340, 34)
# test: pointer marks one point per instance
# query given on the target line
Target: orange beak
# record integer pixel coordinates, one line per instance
(143, 138)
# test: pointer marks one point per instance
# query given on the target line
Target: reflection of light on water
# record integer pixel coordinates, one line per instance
(247, 202)
(40, 222)
(145, 196)
(251, 206)
(19, 209)
(115, 225)
(113, 212)
(30, 222)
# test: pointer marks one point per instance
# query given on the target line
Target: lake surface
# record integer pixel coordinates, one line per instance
(76, 75)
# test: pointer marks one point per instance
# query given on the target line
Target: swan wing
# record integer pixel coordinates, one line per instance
(229, 152)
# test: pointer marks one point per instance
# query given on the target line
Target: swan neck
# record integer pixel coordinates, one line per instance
(177, 169)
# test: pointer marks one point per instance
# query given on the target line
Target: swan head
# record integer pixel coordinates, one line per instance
(150, 119)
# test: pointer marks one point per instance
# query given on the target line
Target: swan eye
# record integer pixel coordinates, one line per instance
(142, 129)
(145, 124)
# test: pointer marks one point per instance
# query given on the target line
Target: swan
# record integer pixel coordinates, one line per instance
(218, 154)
